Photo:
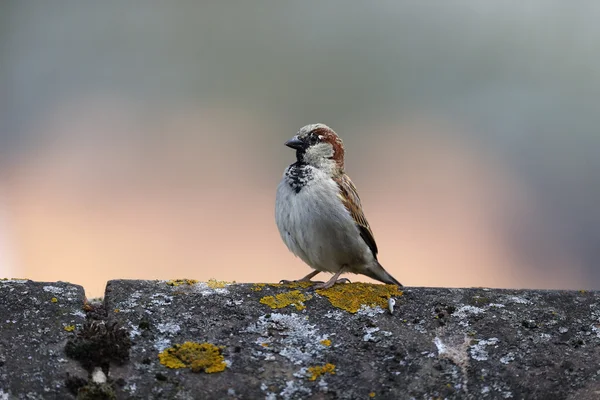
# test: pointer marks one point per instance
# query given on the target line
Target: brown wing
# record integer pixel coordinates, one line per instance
(349, 197)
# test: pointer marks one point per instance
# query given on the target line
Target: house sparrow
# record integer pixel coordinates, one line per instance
(318, 211)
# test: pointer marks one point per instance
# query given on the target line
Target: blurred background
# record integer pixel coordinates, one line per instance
(145, 139)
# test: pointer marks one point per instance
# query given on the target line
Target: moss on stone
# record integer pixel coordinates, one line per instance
(352, 296)
(282, 300)
(316, 371)
(198, 356)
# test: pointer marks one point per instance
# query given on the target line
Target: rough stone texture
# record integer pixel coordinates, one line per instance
(438, 343)
(34, 329)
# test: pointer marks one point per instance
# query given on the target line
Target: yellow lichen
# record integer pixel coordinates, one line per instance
(69, 328)
(293, 285)
(372, 394)
(326, 342)
(179, 282)
(281, 300)
(319, 370)
(54, 300)
(215, 284)
(117, 310)
(198, 356)
(352, 296)
(257, 287)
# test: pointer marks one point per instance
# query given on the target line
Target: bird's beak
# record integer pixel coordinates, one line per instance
(295, 143)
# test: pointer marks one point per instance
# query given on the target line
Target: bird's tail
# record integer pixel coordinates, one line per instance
(379, 273)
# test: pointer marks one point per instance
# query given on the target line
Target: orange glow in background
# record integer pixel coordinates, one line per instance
(114, 167)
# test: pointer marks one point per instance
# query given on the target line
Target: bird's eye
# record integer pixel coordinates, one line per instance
(314, 139)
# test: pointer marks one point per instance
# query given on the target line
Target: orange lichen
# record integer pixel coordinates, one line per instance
(179, 282)
(198, 356)
(325, 342)
(281, 300)
(315, 372)
(352, 296)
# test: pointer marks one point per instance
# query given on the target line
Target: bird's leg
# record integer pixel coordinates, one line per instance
(307, 278)
(334, 279)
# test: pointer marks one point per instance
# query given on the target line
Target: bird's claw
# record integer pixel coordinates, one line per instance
(330, 284)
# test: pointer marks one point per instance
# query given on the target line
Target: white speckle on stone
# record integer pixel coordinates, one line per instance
(465, 311)
(507, 395)
(3, 395)
(231, 392)
(391, 304)
(508, 358)
(162, 343)
(301, 373)
(98, 376)
(131, 388)
(518, 300)
(294, 338)
(545, 336)
(53, 289)
(133, 331)
(78, 313)
(369, 311)
(441, 347)
(335, 314)
(485, 389)
(204, 289)
(233, 303)
(369, 337)
(563, 329)
(478, 350)
(291, 388)
(496, 305)
(168, 327)
(160, 299)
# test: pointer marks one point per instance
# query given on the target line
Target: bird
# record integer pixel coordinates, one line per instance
(319, 214)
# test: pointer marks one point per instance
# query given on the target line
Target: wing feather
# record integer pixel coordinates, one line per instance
(349, 196)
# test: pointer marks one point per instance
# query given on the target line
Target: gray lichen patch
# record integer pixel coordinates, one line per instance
(290, 336)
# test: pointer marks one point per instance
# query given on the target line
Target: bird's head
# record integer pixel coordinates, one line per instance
(318, 145)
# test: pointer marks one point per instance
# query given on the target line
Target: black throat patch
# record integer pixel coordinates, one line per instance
(298, 175)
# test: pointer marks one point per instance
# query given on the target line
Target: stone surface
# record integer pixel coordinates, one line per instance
(438, 343)
(36, 320)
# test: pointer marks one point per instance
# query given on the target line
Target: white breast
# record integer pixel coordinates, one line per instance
(315, 225)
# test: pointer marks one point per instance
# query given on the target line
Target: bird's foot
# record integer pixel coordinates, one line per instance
(286, 282)
(307, 278)
(331, 282)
